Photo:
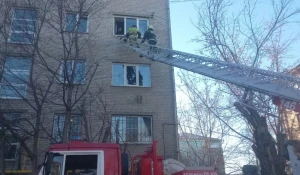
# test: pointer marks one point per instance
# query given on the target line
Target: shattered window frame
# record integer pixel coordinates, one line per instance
(144, 73)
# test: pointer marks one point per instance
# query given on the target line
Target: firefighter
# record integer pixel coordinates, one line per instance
(150, 36)
(132, 35)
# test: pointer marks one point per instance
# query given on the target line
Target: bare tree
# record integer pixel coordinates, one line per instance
(238, 36)
(56, 47)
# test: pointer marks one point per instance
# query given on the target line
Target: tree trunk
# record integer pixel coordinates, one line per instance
(66, 126)
(36, 136)
(2, 161)
(264, 145)
(34, 165)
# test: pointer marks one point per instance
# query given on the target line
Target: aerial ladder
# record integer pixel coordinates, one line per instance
(284, 88)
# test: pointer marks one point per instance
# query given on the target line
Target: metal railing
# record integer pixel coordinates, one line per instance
(264, 81)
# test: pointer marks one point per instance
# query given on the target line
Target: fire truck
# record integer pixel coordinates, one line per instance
(79, 157)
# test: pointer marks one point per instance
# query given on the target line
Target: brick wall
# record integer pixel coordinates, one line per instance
(101, 46)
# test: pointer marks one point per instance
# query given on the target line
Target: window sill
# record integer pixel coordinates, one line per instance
(137, 143)
(131, 86)
(11, 98)
(10, 160)
(75, 32)
(20, 43)
(60, 82)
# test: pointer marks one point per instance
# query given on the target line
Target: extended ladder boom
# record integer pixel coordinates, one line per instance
(264, 81)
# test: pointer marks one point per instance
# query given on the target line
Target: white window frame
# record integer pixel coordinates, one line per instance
(123, 139)
(62, 79)
(99, 153)
(27, 32)
(125, 17)
(137, 76)
(14, 71)
(77, 17)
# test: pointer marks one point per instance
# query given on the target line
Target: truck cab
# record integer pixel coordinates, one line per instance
(82, 158)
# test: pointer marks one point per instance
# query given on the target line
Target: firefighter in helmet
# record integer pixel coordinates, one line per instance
(132, 35)
(150, 36)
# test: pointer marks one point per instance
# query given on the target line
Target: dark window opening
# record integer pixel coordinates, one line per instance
(131, 75)
(81, 164)
(119, 26)
(10, 151)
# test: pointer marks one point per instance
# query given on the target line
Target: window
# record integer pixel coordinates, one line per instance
(126, 75)
(122, 24)
(67, 69)
(75, 21)
(11, 145)
(14, 119)
(132, 128)
(82, 164)
(74, 130)
(57, 165)
(11, 150)
(23, 26)
(15, 77)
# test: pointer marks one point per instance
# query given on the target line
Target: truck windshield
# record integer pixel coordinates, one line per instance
(81, 165)
(57, 164)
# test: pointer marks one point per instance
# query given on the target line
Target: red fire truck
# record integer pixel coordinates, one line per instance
(83, 158)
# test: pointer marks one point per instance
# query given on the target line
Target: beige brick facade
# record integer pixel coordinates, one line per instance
(99, 47)
(292, 118)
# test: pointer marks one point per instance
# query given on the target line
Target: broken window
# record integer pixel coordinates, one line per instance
(131, 75)
(122, 24)
(132, 129)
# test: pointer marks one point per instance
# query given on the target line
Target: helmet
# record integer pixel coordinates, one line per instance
(150, 27)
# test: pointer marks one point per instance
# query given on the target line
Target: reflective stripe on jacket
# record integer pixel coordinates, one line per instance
(133, 31)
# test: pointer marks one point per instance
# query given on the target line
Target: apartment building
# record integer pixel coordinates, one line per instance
(291, 118)
(201, 151)
(63, 65)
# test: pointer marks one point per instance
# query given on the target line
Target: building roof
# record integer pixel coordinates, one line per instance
(183, 136)
(295, 71)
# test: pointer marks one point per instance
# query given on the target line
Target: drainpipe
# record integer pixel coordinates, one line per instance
(173, 85)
